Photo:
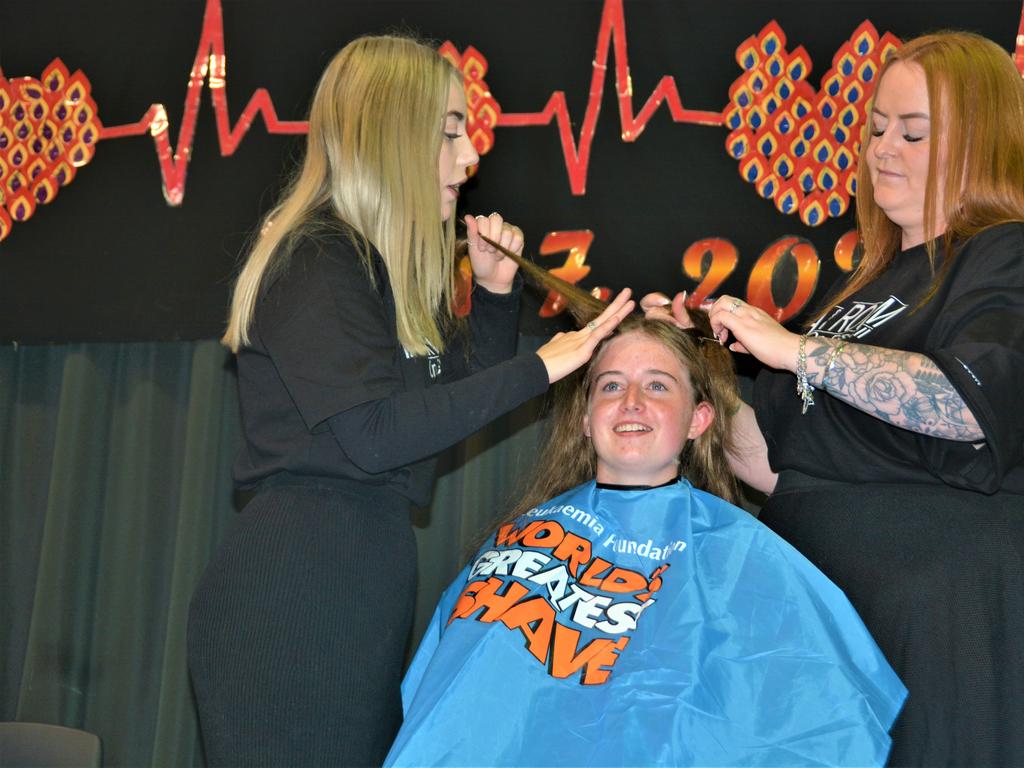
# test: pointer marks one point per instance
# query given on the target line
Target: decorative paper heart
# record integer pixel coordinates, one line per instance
(48, 129)
(798, 146)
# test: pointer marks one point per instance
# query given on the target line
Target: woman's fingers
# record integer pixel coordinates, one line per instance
(679, 313)
(491, 268)
(512, 238)
(721, 314)
(490, 226)
(657, 306)
(753, 332)
(566, 352)
(613, 314)
(654, 301)
(495, 228)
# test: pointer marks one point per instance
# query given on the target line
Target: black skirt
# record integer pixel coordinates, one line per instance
(937, 575)
(298, 629)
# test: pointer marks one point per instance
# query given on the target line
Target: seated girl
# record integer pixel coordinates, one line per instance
(634, 619)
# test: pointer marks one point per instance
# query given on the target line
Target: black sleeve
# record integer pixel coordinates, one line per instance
(408, 426)
(328, 331)
(494, 325)
(325, 328)
(978, 343)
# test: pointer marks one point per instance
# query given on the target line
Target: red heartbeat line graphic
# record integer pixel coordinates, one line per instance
(612, 30)
(209, 66)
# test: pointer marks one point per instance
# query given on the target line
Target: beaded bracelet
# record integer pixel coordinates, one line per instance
(803, 386)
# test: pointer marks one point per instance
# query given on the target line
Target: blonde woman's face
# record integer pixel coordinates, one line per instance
(641, 411)
(457, 152)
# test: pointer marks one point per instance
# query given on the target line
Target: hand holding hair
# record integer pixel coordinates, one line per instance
(754, 332)
(583, 306)
(568, 351)
(488, 239)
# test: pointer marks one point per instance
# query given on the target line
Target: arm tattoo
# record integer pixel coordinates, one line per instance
(905, 389)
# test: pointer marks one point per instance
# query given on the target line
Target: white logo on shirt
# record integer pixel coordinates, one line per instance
(433, 359)
(859, 320)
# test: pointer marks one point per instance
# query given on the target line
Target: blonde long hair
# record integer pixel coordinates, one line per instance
(375, 130)
(568, 458)
(977, 108)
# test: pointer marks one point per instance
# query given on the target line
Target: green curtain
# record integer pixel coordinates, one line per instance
(114, 490)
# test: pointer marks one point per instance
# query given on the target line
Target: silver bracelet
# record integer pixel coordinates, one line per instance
(803, 387)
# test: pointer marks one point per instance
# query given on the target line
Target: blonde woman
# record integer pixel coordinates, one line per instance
(903, 478)
(352, 374)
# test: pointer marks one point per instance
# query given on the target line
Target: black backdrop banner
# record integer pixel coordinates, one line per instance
(641, 143)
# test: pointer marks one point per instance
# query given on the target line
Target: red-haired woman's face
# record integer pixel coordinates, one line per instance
(897, 156)
(641, 411)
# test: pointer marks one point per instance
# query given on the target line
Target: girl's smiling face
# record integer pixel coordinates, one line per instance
(641, 411)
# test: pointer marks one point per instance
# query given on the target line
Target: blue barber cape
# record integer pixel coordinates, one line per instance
(659, 626)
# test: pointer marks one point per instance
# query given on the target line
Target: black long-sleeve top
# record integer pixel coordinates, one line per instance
(327, 391)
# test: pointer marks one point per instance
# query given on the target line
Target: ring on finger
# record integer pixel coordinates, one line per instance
(736, 304)
(591, 326)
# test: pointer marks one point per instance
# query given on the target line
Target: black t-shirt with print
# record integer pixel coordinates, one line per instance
(973, 328)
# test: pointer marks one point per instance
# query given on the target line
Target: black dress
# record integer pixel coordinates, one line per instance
(925, 536)
(297, 630)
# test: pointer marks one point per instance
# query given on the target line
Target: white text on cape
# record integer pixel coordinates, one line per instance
(615, 543)
(573, 513)
(643, 548)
